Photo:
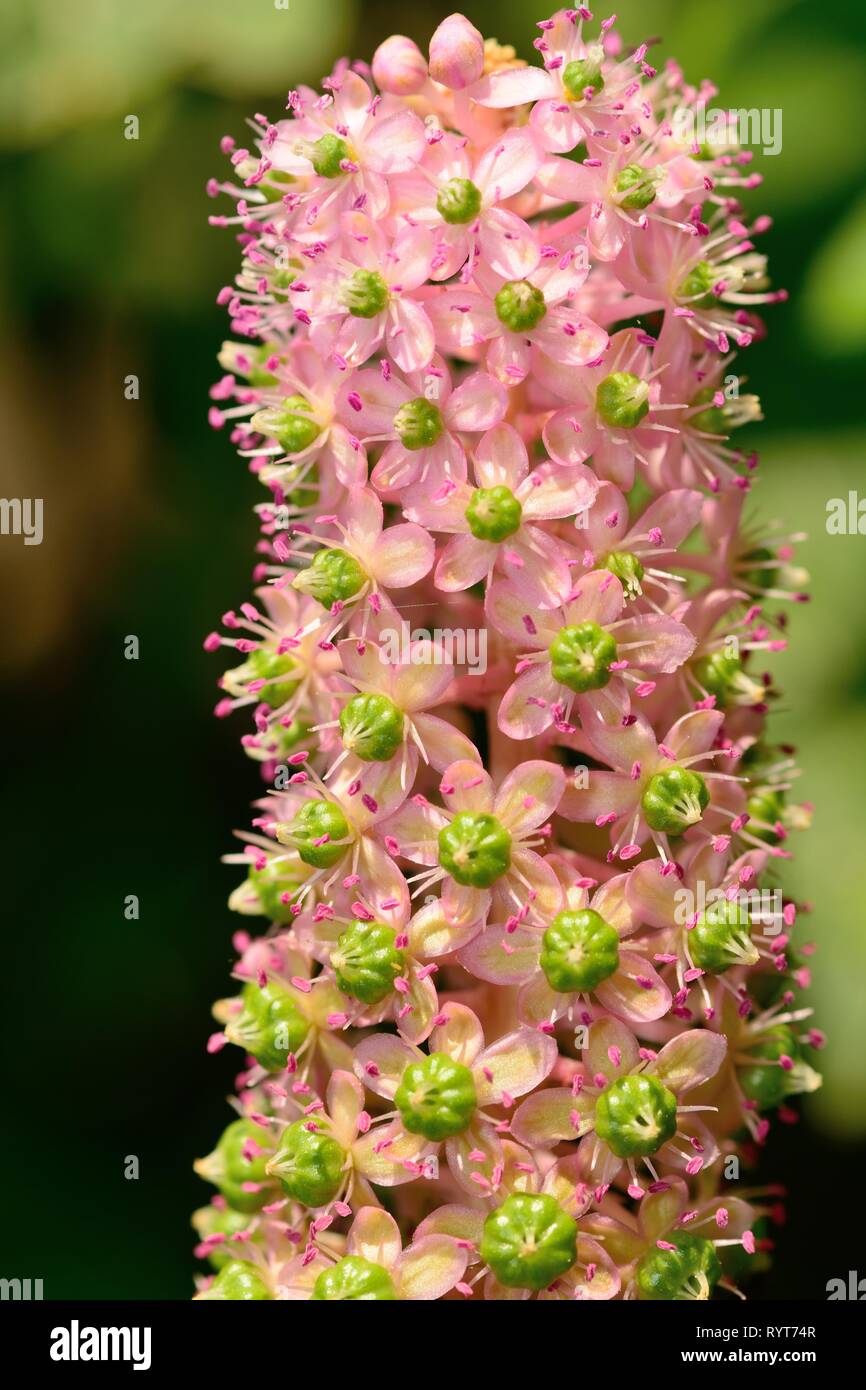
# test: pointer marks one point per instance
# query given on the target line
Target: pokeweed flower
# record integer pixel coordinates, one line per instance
(507, 319)
(421, 422)
(613, 412)
(525, 968)
(624, 1106)
(493, 522)
(577, 959)
(582, 658)
(375, 1266)
(461, 203)
(483, 845)
(444, 1094)
(367, 298)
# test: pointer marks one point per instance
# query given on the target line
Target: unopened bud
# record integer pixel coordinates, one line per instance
(456, 53)
(399, 67)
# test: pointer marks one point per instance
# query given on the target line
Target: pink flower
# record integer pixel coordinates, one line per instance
(631, 989)
(506, 319)
(367, 299)
(582, 657)
(493, 523)
(515, 1064)
(483, 844)
(460, 201)
(421, 421)
(611, 1095)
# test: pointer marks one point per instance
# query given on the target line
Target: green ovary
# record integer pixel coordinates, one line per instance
(270, 1026)
(763, 1082)
(622, 400)
(695, 291)
(372, 727)
(418, 424)
(366, 961)
(628, 570)
(475, 849)
(580, 74)
(721, 938)
(436, 1097)
(635, 1116)
(520, 306)
(638, 186)
(493, 513)
(581, 656)
(237, 1282)
(334, 576)
(458, 202)
(315, 821)
(529, 1241)
(294, 426)
(674, 800)
(328, 154)
(365, 294)
(579, 951)
(354, 1277)
(688, 1272)
(309, 1164)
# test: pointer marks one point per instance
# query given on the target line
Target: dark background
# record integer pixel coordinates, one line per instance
(116, 779)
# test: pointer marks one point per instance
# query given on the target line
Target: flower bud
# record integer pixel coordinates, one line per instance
(529, 1241)
(399, 66)
(436, 1097)
(456, 53)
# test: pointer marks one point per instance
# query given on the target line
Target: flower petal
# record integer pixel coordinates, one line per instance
(402, 555)
(689, 1059)
(513, 1065)
(529, 796)
(375, 1236)
(502, 958)
(460, 1036)
(430, 1267)
(548, 1117)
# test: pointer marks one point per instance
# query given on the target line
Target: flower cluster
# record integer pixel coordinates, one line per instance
(527, 999)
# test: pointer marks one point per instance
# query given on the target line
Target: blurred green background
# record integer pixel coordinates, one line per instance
(117, 781)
